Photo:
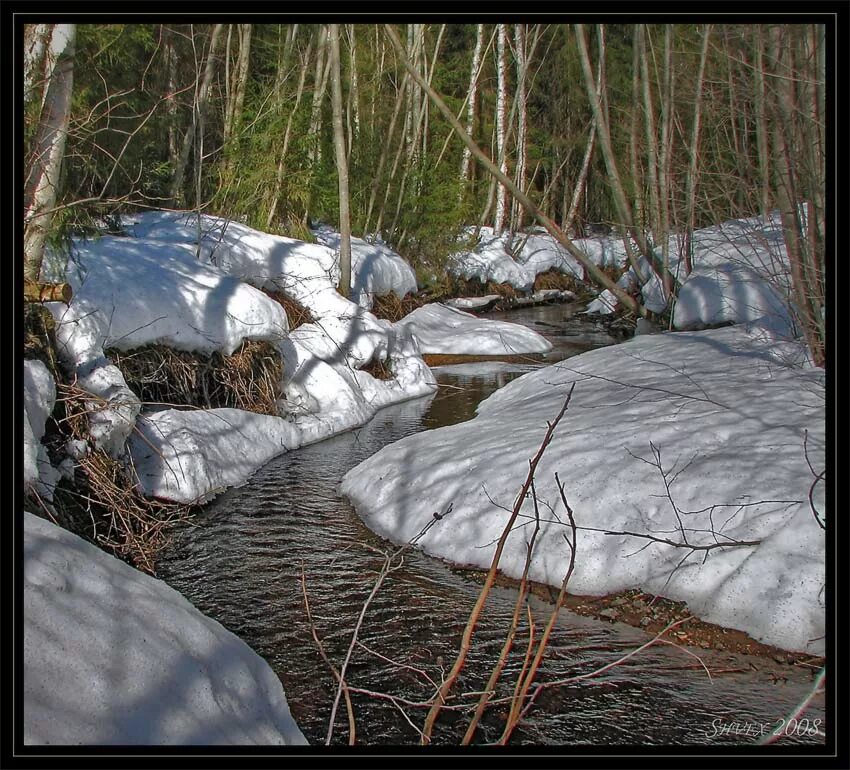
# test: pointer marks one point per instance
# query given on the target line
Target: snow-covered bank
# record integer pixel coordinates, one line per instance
(197, 284)
(113, 656)
(728, 422)
(442, 329)
(741, 272)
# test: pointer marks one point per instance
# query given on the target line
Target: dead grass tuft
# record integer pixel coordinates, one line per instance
(105, 504)
(552, 279)
(296, 313)
(391, 308)
(248, 379)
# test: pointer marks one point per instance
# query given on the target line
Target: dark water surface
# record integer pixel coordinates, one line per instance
(241, 563)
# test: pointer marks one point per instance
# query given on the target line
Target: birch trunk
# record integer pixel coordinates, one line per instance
(472, 98)
(501, 126)
(341, 166)
(41, 188)
(522, 123)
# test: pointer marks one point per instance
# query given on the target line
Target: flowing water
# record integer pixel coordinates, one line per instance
(249, 554)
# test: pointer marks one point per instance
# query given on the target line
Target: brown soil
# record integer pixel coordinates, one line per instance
(447, 359)
(654, 613)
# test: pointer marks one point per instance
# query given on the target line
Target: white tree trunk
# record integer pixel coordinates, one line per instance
(522, 122)
(473, 98)
(40, 192)
(501, 126)
(341, 167)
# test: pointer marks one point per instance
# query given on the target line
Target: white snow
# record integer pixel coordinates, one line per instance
(517, 259)
(716, 404)
(39, 398)
(193, 283)
(113, 656)
(442, 329)
(375, 268)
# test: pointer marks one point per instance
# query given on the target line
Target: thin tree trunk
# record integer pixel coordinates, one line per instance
(472, 96)
(41, 189)
(240, 82)
(320, 82)
(341, 167)
(522, 122)
(501, 126)
(651, 136)
(353, 92)
(762, 146)
(664, 160)
(198, 108)
(620, 199)
(281, 165)
(694, 152)
(385, 146)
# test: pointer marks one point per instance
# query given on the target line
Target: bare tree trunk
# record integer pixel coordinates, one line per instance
(385, 146)
(320, 83)
(236, 99)
(199, 108)
(341, 167)
(591, 269)
(651, 136)
(41, 188)
(693, 151)
(762, 146)
(353, 110)
(664, 160)
(637, 179)
(522, 122)
(281, 165)
(581, 182)
(501, 126)
(472, 98)
(621, 201)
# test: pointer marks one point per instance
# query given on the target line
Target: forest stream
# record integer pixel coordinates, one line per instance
(240, 561)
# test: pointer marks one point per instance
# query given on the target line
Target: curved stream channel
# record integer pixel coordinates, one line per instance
(241, 560)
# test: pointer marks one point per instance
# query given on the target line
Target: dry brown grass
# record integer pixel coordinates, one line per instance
(552, 279)
(379, 369)
(106, 504)
(391, 308)
(296, 313)
(248, 379)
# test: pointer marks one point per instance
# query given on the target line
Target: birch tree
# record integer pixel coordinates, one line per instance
(341, 166)
(501, 125)
(472, 97)
(56, 55)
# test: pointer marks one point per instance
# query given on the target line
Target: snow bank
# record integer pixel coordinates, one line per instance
(39, 398)
(375, 268)
(131, 292)
(740, 275)
(113, 656)
(519, 258)
(715, 404)
(190, 456)
(442, 329)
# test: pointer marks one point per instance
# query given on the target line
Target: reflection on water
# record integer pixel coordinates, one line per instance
(242, 560)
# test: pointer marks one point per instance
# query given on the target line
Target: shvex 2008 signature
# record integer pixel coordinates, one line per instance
(796, 727)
